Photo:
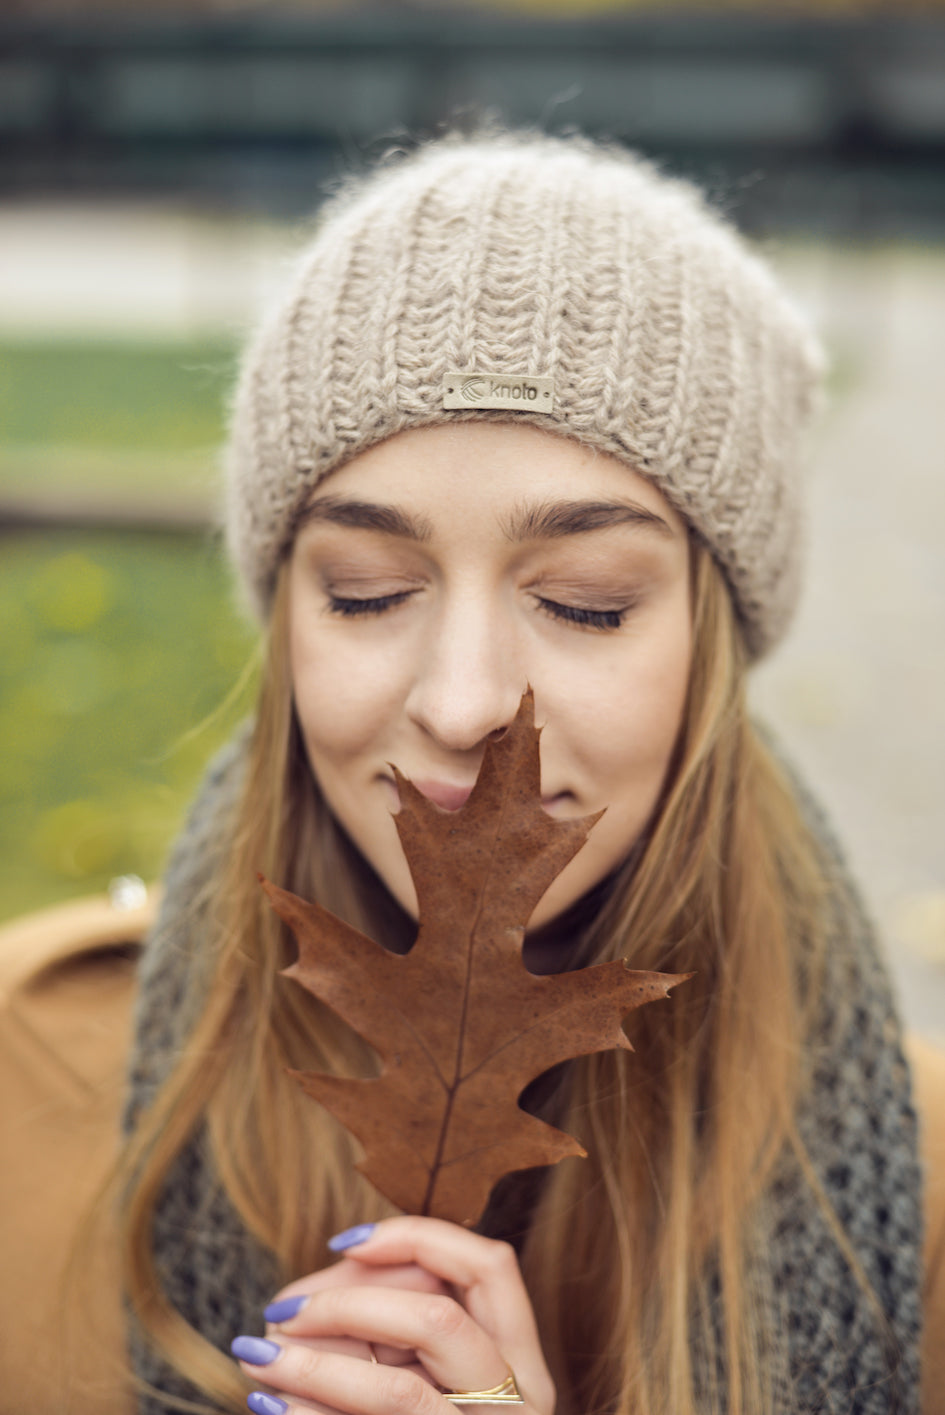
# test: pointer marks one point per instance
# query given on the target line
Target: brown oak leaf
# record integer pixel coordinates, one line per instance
(459, 1023)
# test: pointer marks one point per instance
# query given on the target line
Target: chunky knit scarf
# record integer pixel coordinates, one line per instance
(858, 1124)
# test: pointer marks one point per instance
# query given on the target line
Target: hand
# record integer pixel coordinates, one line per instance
(441, 1309)
(347, 1272)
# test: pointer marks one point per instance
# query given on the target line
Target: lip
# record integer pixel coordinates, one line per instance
(444, 793)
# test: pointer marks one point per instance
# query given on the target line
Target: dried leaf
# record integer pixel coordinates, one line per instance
(459, 1023)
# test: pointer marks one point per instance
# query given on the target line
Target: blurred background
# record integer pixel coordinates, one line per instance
(158, 166)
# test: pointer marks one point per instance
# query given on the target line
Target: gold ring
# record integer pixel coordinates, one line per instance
(505, 1393)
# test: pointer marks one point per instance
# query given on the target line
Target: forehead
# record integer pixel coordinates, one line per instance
(502, 464)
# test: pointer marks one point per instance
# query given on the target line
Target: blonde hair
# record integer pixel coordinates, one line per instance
(623, 1248)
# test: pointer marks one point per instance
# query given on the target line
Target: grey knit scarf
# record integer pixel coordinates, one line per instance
(827, 1357)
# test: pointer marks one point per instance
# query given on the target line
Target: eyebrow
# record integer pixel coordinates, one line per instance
(546, 521)
(366, 516)
(553, 519)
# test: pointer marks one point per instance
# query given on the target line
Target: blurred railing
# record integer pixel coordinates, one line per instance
(831, 123)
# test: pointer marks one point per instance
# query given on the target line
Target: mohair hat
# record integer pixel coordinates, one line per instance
(552, 281)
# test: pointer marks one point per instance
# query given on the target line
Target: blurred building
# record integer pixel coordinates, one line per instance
(825, 117)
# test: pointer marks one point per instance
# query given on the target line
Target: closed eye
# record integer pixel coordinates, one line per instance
(352, 608)
(587, 618)
(567, 613)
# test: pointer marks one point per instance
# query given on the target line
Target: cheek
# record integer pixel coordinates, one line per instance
(344, 698)
(655, 705)
(622, 736)
(617, 737)
(628, 722)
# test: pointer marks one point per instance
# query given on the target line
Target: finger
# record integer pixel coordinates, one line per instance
(340, 1383)
(341, 1345)
(348, 1273)
(265, 1403)
(290, 1302)
(484, 1270)
(351, 1346)
(456, 1351)
(260, 1352)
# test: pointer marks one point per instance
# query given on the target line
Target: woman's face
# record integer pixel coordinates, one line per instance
(437, 575)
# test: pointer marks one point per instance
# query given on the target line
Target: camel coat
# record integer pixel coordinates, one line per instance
(66, 988)
(67, 978)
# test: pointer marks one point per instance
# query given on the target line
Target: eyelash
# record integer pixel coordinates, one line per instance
(567, 613)
(358, 608)
(587, 618)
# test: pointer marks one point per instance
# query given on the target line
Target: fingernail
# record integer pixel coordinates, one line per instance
(266, 1404)
(351, 1237)
(255, 1349)
(286, 1309)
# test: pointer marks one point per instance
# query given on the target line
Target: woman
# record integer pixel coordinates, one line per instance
(528, 415)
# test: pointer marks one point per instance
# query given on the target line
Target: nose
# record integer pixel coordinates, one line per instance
(469, 679)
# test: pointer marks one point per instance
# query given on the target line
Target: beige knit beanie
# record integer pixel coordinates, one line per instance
(553, 282)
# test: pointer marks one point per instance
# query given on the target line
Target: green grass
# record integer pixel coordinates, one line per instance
(116, 647)
(128, 424)
(114, 395)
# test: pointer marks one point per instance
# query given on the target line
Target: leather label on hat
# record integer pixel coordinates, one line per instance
(515, 392)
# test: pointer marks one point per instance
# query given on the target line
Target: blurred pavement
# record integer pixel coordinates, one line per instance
(857, 693)
(858, 689)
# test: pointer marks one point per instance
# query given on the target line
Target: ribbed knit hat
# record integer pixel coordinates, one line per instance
(550, 281)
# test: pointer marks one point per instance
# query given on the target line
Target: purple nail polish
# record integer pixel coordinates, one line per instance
(262, 1404)
(351, 1237)
(286, 1309)
(256, 1350)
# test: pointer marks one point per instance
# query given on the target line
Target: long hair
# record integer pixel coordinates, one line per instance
(628, 1253)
